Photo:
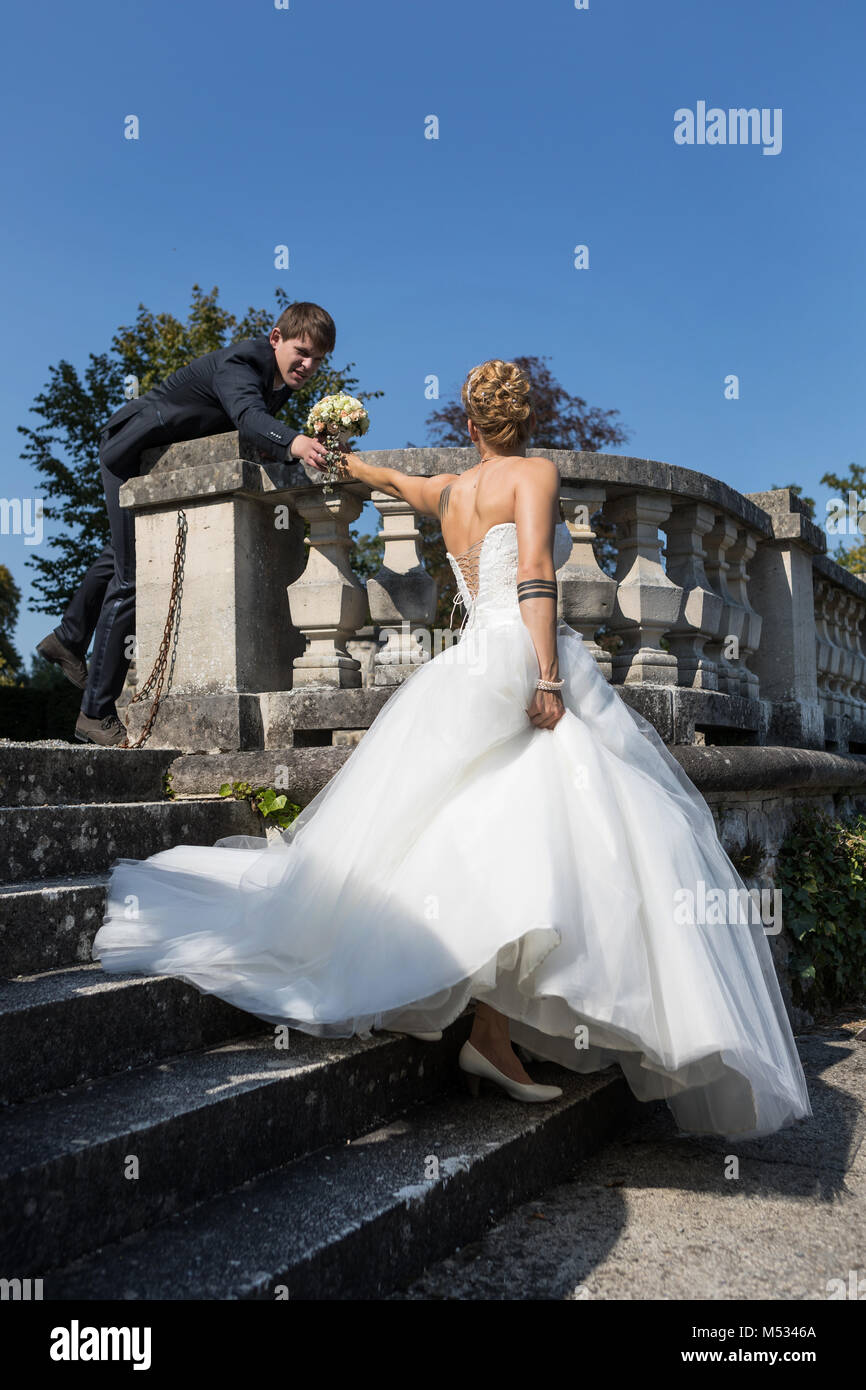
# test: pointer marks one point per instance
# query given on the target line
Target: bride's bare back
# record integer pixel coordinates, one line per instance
(513, 490)
(471, 503)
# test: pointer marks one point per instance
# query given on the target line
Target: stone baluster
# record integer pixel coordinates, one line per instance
(719, 541)
(834, 681)
(701, 610)
(855, 628)
(842, 634)
(402, 595)
(647, 602)
(327, 602)
(587, 596)
(738, 558)
(858, 613)
(827, 654)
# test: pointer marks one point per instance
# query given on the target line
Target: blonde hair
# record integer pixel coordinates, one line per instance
(496, 395)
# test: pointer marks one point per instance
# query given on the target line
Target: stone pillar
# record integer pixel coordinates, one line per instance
(587, 595)
(327, 602)
(244, 547)
(402, 595)
(647, 603)
(781, 591)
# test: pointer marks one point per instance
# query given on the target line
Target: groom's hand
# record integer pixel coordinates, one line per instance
(310, 450)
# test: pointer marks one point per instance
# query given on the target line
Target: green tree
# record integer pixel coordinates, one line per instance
(10, 598)
(852, 557)
(367, 555)
(73, 408)
(563, 421)
(64, 449)
(44, 675)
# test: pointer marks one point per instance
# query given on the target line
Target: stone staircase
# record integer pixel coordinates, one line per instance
(158, 1143)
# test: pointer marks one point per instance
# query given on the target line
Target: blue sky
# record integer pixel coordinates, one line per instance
(305, 126)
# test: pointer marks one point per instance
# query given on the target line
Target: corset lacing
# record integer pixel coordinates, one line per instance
(470, 575)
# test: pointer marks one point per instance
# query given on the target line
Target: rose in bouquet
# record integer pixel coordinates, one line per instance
(335, 420)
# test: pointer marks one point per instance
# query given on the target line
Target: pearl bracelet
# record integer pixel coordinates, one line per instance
(549, 685)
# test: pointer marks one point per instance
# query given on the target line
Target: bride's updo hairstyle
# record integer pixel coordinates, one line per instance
(497, 397)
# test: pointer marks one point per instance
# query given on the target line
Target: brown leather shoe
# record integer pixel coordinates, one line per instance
(72, 666)
(108, 732)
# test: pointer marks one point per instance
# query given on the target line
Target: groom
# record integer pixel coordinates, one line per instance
(244, 386)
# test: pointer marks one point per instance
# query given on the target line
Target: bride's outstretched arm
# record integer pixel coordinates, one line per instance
(422, 494)
(536, 507)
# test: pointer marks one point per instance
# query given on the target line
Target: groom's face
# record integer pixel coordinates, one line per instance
(297, 359)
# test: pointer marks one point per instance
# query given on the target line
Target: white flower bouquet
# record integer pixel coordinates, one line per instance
(335, 420)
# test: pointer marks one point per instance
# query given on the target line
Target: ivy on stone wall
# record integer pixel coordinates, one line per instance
(821, 870)
(270, 803)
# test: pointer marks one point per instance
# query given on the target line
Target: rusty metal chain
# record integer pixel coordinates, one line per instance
(157, 678)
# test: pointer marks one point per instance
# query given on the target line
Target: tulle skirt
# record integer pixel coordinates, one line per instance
(563, 877)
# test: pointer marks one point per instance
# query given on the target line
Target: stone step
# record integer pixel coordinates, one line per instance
(49, 924)
(47, 841)
(359, 1220)
(197, 1125)
(312, 715)
(36, 774)
(70, 1026)
(299, 772)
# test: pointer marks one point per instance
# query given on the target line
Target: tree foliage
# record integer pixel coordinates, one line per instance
(563, 421)
(10, 598)
(45, 675)
(852, 557)
(367, 554)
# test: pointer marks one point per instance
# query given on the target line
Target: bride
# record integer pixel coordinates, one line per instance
(508, 831)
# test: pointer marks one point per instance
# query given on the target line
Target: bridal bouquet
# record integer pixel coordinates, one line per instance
(337, 418)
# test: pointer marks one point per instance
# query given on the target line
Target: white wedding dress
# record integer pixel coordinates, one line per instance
(461, 853)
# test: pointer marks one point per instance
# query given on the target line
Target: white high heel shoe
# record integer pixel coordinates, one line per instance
(476, 1069)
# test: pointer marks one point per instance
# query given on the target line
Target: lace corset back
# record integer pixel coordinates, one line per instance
(486, 573)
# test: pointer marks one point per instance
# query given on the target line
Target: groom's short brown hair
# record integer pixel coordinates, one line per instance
(304, 320)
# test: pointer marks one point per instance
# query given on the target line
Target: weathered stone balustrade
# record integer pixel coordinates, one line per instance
(736, 628)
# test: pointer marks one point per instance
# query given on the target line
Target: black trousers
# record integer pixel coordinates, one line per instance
(103, 606)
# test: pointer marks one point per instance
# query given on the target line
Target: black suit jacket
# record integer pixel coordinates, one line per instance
(232, 387)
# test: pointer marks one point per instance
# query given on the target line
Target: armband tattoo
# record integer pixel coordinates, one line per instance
(536, 588)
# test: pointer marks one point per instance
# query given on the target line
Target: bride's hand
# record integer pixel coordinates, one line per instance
(546, 709)
(346, 461)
